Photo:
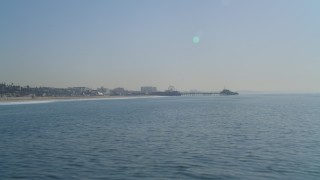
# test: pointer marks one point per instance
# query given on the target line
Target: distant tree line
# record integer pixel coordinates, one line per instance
(11, 90)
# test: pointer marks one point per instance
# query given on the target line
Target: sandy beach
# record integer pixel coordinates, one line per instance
(29, 99)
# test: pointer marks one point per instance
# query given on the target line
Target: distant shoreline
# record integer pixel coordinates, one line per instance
(46, 98)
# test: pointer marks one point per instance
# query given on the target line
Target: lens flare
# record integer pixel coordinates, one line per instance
(196, 39)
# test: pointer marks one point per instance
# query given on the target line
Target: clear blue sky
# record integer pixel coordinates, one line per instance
(255, 45)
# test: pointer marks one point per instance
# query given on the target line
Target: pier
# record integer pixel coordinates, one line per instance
(224, 92)
(199, 93)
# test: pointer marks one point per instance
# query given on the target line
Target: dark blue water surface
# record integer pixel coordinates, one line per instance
(217, 137)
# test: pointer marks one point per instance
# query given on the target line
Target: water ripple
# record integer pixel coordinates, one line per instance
(244, 137)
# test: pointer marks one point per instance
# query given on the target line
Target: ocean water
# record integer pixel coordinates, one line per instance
(209, 137)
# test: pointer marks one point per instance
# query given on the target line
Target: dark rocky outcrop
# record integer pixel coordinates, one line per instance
(228, 92)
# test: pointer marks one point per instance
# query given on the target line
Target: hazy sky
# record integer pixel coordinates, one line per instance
(267, 45)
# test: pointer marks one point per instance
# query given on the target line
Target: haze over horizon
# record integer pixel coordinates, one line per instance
(204, 45)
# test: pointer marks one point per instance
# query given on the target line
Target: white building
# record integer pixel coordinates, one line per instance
(148, 89)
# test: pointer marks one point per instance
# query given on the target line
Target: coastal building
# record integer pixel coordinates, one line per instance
(148, 89)
(79, 91)
(103, 91)
(118, 92)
